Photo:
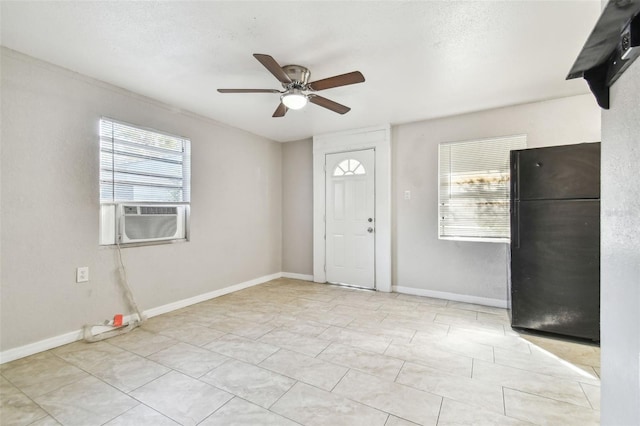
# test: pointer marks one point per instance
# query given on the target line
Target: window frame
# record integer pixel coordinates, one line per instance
(521, 138)
(108, 222)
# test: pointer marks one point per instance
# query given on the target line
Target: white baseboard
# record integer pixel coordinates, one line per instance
(498, 303)
(63, 339)
(295, 276)
(210, 295)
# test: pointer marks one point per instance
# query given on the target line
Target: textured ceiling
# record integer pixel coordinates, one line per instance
(421, 59)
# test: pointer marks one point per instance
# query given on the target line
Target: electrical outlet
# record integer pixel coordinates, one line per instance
(82, 274)
(407, 195)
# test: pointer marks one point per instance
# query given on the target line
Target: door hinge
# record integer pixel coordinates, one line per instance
(325, 268)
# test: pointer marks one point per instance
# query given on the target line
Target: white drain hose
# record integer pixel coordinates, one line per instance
(133, 323)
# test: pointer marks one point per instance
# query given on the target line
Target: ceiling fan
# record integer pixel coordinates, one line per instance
(295, 81)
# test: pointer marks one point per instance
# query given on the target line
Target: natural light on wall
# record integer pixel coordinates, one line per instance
(473, 197)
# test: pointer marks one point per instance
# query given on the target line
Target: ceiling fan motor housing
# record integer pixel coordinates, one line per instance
(299, 76)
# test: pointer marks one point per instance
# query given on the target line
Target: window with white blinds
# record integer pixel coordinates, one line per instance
(473, 202)
(140, 165)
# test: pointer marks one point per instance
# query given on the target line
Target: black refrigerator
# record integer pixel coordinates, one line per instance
(555, 240)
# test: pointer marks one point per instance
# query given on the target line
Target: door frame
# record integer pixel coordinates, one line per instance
(379, 139)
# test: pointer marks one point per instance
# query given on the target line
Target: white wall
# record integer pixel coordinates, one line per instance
(476, 269)
(50, 208)
(620, 248)
(297, 207)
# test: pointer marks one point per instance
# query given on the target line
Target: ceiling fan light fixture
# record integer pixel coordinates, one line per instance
(294, 99)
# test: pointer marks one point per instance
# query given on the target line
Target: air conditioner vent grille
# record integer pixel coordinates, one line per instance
(158, 210)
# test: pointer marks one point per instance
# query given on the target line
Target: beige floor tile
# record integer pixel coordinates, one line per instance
(368, 362)
(239, 412)
(243, 349)
(141, 416)
(499, 318)
(423, 299)
(294, 325)
(26, 360)
(455, 345)
(531, 382)
(42, 375)
(405, 310)
(15, 407)
(573, 352)
(194, 334)
(376, 329)
(396, 321)
(127, 371)
(357, 339)
(252, 315)
(545, 411)
(188, 359)
(45, 421)
(324, 318)
(142, 342)
(397, 421)
(86, 402)
(357, 303)
(85, 355)
(295, 342)
(450, 313)
(431, 357)
(512, 343)
(455, 413)
(358, 312)
(316, 372)
(469, 323)
(311, 406)
(593, 395)
(477, 308)
(240, 327)
(473, 392)
(182, 398)
(543, 363)
(255, 384)
(402, 401)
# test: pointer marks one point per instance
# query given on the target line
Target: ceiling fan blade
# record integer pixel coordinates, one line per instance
(329, 104)
(280, 111)
(337, 81)
(248, 91)
(269, 63)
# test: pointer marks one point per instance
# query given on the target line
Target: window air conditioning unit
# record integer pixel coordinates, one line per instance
(139, 223)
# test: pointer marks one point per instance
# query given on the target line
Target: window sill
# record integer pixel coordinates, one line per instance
(477, 239)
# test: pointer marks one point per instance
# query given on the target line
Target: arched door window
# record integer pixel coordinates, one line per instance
(349, 167)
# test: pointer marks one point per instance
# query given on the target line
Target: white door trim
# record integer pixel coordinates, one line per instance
(378, 138)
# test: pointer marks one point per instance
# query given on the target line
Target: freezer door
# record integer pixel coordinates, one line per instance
(555, 267)
(559, 172)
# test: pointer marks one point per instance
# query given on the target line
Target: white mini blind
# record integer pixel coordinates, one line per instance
(143, 165)
(474, 188)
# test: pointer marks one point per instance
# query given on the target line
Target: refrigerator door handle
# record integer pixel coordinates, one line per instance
(515, 233)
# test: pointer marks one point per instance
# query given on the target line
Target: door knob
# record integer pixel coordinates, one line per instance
(370, 230)
(370, 219)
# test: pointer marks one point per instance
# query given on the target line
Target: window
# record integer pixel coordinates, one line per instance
(348, 168)
(473, 197)
(140, 166)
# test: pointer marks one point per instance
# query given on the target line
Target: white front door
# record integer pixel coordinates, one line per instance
(350, 220)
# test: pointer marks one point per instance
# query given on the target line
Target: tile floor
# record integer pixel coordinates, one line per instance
(291, 352)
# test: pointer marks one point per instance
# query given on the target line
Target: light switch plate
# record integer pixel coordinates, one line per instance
(82, 274)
